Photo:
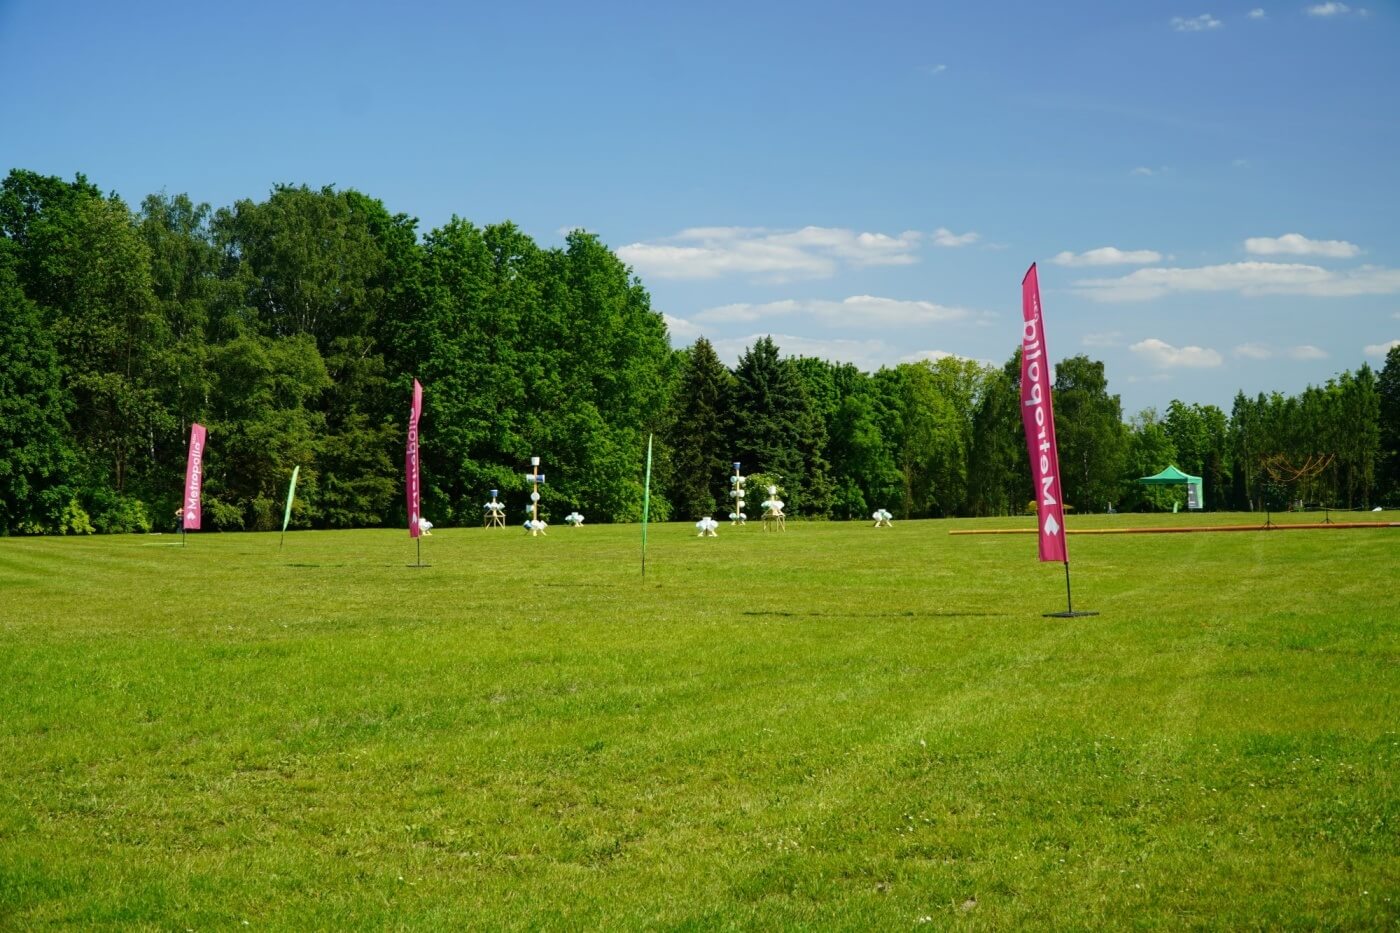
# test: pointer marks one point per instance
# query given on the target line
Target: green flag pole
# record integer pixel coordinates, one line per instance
(287, 515)
(646, 508)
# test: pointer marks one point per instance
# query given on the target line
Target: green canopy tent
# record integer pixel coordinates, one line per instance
(1171, 476)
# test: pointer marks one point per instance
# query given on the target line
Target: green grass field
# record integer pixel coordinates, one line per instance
(835, 727)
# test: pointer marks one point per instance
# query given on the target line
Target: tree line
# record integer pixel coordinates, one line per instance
(293, 327)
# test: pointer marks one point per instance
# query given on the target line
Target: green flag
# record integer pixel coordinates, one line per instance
(646, 508)
(291, 493)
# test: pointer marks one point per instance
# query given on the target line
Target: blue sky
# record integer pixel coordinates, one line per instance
(1210, 188)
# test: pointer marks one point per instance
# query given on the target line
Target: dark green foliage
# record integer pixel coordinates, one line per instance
(780, 430)
(293, 328)
(1150, 450)
(261, 420)
(999, 481)
(1388, 435)
(1091, 435)
(1199, 436)
(867, 476)
(701, 434)
(35, 456)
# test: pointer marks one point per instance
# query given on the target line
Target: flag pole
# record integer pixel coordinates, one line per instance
(194, 477)
(1069, 612)
(1038, 419)
(411, 472)
(646, 508)
(287, 513)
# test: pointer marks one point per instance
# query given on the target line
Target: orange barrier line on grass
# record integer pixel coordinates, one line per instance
(1180, 530)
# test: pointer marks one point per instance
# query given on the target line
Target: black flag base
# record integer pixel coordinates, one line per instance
(1069, 612)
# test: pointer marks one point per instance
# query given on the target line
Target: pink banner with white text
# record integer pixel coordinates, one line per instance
(411, 462)
(194, 477)
(1038, 416)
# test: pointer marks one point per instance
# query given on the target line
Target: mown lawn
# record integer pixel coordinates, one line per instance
(836, 726)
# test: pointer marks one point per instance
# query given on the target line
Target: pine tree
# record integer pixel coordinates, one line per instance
(780, 431)
(1089, 430)
(1388, 391)
(700, 435)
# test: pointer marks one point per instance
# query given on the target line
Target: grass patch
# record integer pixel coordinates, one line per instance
(836, 726)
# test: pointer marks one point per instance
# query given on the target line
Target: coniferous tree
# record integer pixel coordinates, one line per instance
(779, 429)
(1090, 434)
(701, 434)
(1356, 424)
(1388, 434)
(1244, 444)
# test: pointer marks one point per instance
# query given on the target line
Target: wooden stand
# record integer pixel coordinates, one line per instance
(773, 518)
(495, 516)
(536, 480)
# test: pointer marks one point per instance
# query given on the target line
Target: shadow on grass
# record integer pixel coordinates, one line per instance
(907, 614)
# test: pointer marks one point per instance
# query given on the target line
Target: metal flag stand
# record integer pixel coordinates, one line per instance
(1069, 612)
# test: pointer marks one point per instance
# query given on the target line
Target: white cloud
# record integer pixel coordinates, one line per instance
(867, 354)
(1381, 349)
(769, 255)
(1329, 9)
(1108, 256)
(933, 356)
(933, 69)
(1247, 278)
(1258, 351)
(1295, 244)
(1258, 13)
(1142, 170)
(1163, 354)
(1196, 23)
(681, 329)
(1109, 338)
(945, 237)
(1240, 163)
(856, 310)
